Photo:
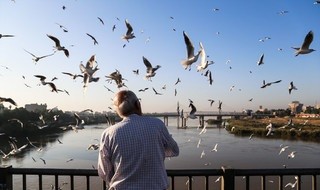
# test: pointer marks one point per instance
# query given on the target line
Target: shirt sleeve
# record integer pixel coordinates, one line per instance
(105, 168)
(170, 145)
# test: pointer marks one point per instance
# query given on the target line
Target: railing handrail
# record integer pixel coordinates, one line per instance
(228, 181)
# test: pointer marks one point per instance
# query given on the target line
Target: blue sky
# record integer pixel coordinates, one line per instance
(230, 33)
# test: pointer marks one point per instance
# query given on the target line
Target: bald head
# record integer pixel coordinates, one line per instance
(126, 103)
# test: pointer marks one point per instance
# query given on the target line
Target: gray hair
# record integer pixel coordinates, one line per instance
(125, 102)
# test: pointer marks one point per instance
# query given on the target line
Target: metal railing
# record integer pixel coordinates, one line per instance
(201, 179)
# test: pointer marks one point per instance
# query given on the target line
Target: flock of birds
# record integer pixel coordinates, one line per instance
(87, 72)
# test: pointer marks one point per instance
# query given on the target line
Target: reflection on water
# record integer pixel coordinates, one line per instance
(232, 151)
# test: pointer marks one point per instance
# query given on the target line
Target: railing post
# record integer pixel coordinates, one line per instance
(5, 178)
(228, 180)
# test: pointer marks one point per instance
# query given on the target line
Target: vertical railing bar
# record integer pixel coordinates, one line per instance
(190, 182)
(247, 182)
(88, 182)
(72, 182)
(24, 181)
(314, 182)
(280, 181)
(263, 182)
(56, 181)
(40, 182)
(299, 182)
(207, 182)
(172, 182)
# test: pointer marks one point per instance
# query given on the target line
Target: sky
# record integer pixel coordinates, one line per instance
(230, 31)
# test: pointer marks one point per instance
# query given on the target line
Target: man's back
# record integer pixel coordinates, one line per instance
(136, 148)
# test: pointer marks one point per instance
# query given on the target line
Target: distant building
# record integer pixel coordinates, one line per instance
(295, 107)
(36, 107)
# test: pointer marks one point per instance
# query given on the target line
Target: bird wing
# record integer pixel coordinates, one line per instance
(190, 47)
(30, 53)
(91, 61)
(56, 40)
(42, 78)
(193, 109)
(129, 27)
(147, 64)
(307, 40)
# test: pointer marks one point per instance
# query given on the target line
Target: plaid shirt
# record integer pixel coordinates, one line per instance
(132, 153)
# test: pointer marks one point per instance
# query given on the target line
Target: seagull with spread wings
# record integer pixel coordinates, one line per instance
(95, 42)
(292, 87)
(129, 34)
(191, 57)
(5, 35)
(36, 58)
(9, 100)
(203, 62)
(73, 76)
(304, 49)
(58, 45)
(88, 71)
(151, 71)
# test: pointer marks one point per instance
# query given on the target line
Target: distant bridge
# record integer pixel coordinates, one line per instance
(200, 116)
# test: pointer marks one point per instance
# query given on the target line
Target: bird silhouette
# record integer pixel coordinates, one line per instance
(58, 46)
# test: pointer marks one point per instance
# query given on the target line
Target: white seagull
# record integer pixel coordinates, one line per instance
(129, 34)
(88, 71)
(203, 62)
(191, 57)
(269, 128)
(151, 71)
(215, 148)
(304, 49)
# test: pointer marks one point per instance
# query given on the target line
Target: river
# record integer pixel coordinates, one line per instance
(232, 151)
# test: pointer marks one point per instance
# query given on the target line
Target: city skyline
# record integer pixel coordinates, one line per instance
(235, 35)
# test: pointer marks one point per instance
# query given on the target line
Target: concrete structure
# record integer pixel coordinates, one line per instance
(35, 107)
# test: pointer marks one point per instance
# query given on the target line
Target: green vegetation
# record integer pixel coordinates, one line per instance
(301, 129)
(33, 124)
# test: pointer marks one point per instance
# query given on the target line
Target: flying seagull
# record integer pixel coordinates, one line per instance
(193, 111)
(203, 62)
(264, 85)
(58, 46)
(62, 27)
(95, 42)
(117, 77)
(88, 71)
(191, 57)
(304, 49)
(101, 20)
(157, 93)
(36, 58)
(151, 71)
(73, 76)
(6, 35)
(260, 61)
(292, 87)
(9, 100)
(129, 34)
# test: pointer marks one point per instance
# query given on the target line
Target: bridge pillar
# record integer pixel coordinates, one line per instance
(228, 180)
(219, 117)
(201, 121)
(165, 120)
(5, 178)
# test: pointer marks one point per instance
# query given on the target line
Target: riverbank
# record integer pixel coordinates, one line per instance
(284, 128)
